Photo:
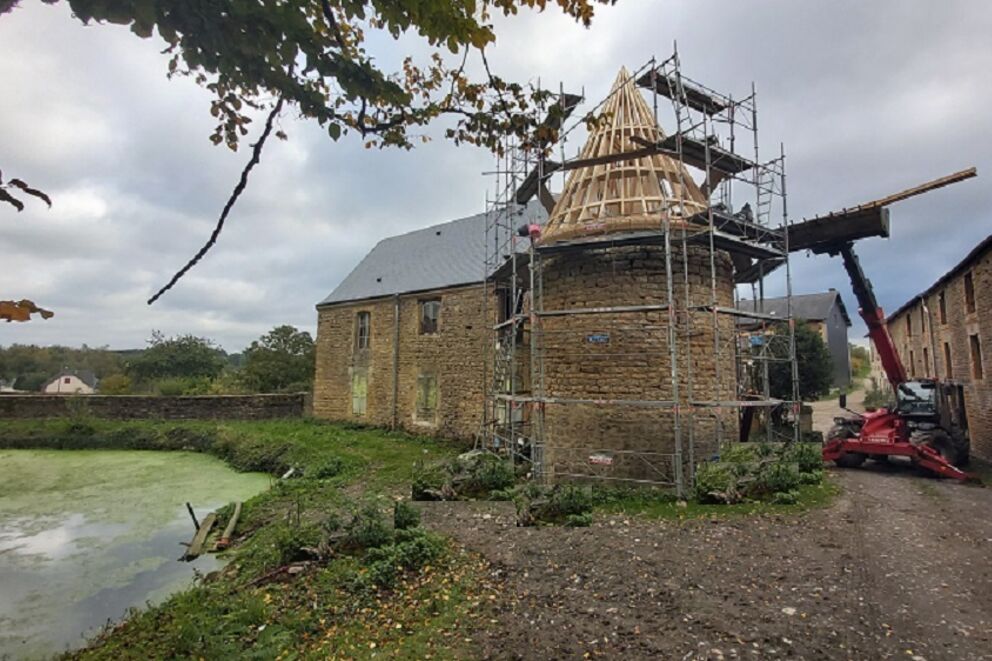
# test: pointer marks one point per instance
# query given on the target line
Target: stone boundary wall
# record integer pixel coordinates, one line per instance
(133, 407)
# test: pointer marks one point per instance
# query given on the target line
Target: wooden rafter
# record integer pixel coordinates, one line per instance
(618, 185)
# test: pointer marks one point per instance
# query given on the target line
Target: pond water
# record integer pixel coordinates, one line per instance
(85, 535)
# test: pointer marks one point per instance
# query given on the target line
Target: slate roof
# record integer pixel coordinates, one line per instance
(810, 307)
(435, 257)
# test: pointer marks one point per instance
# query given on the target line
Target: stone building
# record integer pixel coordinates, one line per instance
(404, 340)
(401, 341)
(946, 333)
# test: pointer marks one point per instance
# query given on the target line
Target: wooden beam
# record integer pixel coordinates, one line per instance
(922, 188)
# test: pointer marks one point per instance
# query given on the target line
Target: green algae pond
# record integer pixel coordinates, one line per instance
(86, 535)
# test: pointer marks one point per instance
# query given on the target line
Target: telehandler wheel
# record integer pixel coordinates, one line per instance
(850, 460)
(939, 440)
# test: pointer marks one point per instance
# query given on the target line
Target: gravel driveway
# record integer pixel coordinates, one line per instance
(900, 566)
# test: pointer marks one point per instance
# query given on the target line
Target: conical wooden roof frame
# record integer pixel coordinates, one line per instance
(623, 196)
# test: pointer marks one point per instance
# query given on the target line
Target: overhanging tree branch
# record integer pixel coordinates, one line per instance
(256, 156)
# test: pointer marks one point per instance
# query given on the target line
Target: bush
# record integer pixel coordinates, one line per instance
(562, 504)
(115, 384)
(782, 475)
(429, 482)
(368, 529)
(474, 474)
(808, 456)
(405, 516)
(716, 482)
(330, 467)
(786, 497)
(412, 550)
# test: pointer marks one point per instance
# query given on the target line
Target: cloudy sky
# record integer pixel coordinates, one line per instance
(868, 98)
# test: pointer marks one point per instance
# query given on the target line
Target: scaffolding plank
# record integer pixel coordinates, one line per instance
(739, 403)
(695, 97)
(736, 312)
(693, 152)
(618, 309)
(737, 225)
(758, 270)
(733, 244)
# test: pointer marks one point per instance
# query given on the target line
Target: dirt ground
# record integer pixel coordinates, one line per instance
(899, 566)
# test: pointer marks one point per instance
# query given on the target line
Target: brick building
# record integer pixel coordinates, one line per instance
(946, 333)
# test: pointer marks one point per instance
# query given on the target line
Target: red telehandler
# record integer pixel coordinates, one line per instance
(926, 422)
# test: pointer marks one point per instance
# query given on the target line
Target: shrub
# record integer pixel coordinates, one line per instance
(330, 467)
(776, 476)
(716, 482)
(808, 456)
(786, 497)
(474, 474)
(115, 384)
(562, 504)
(368, 529)
(429, 482)
(405, 516)
(412, 550)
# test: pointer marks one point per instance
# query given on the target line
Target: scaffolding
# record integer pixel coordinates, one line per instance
(711, 132)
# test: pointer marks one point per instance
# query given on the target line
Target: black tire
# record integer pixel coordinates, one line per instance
(941, 441)
(962, 444)
(848, 459)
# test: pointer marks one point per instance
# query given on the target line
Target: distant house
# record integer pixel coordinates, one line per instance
(825, 313)
(78, 382)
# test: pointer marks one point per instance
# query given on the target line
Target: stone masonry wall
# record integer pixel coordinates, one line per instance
(454, 356)
(128, 407)
(920, 339)
(602, 357)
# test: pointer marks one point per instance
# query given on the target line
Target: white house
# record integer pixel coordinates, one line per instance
(82, 382)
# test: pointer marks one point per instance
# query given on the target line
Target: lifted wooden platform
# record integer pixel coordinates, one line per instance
(828, 232)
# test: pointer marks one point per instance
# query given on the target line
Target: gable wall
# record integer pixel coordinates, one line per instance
(454, 356)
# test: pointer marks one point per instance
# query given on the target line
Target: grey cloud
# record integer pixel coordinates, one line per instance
(868, 98)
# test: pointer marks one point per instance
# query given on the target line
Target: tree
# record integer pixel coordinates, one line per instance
(312, 55)
(115, 384)
(183, 356)
(814, 364)
(860, 361)
(280, 360)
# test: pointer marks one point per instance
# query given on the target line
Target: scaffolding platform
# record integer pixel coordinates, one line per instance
(697, 97)
(737, 225)
(693, 151)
